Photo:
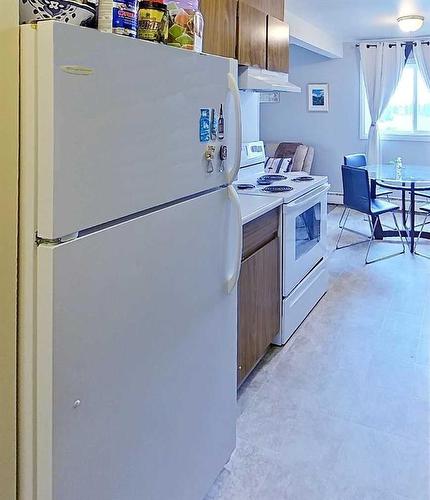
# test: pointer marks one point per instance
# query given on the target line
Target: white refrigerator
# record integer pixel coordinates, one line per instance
(130, 249)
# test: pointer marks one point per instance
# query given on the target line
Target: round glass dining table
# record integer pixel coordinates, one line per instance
(412, 179)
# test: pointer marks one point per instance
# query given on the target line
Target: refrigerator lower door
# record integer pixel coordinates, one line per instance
(136, 357)
(118, 124)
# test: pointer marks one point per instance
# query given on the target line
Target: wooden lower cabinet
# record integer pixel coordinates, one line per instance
(258, 306)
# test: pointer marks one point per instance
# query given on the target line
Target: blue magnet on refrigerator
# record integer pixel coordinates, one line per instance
(205, 125)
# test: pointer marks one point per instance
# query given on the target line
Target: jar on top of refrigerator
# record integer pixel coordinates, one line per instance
(185, 24)
(152, 23)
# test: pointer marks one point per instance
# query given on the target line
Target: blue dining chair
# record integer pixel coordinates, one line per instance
(355, 160)
(359, 160)
(426, 210)
(357, 197)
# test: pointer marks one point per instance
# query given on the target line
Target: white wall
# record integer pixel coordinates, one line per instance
(335, 133)
(250, 106)
(305, 34)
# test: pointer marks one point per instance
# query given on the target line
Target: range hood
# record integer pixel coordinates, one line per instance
(261, 80)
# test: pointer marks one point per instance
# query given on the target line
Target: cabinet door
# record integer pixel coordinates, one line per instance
(252, 36)
(272, 7)
(278, 45)
(258, 306)
(276, 9)
(219, 36)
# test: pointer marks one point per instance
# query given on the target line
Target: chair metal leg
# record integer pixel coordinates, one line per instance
(342, 223)
(398, 230)
(419, 238)
(372, 236)
(416, 225)
(408, 214)
(341, 217)
(343, 228)
(385, 225)
(372, 239)
(369, 220)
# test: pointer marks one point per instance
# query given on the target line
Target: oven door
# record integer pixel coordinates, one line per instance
(304, 236)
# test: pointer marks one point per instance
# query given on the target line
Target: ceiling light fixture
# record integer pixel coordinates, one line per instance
(410, 23)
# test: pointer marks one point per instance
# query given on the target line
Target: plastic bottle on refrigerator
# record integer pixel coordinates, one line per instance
(186, 24)
(119, 17)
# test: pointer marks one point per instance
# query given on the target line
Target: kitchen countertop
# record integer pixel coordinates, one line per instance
(253, 206)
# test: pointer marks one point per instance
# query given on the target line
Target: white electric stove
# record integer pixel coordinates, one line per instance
(304, 232)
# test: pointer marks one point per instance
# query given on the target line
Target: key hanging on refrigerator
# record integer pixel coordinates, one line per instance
(209, 157)
(223, 154)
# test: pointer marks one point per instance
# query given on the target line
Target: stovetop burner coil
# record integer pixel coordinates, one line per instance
(263, 182)
(304, 178)
(277, 189)
(271, 178)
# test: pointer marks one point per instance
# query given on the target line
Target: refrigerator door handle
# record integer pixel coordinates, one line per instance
(234, 89)
(234, 278)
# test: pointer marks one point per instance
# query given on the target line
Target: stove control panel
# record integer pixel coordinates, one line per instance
(252, 153)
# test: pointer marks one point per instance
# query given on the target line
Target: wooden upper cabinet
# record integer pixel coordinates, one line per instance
(278, 45)
(250, 30)
(219, 36)
(274, 8)
(251, 35)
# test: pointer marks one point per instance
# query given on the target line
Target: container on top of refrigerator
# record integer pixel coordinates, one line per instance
(152, 22)
(119, 17)
(79, 12)
(186, 24)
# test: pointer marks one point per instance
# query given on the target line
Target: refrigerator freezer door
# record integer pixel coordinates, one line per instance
(118, 125)
(137, 357)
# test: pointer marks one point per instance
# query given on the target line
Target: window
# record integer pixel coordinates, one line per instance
(408, 113)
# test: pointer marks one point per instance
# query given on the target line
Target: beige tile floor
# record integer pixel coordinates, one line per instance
(343, 411)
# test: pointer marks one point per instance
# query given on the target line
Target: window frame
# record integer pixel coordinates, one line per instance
(412, 137)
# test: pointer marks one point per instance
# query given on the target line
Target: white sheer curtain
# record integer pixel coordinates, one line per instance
(422, 57)
(382, 65)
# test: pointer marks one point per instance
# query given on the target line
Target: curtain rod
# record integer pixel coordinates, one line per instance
(369, 45)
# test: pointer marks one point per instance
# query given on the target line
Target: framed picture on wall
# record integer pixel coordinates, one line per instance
(318, 97)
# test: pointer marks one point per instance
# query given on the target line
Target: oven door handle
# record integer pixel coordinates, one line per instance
(315, 195)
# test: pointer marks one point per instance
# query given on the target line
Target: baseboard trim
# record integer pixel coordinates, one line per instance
(335, 198)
